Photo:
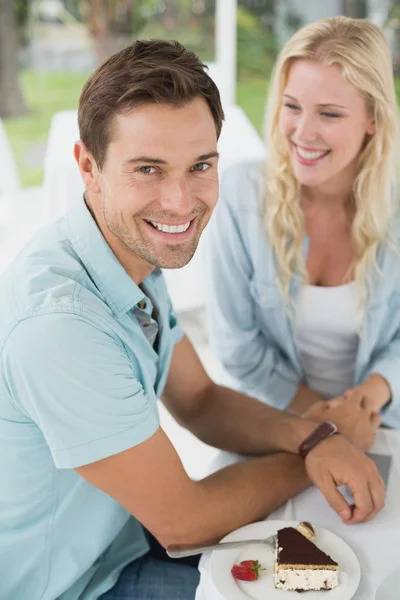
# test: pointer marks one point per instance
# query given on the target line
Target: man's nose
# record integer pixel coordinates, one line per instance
(177, 196)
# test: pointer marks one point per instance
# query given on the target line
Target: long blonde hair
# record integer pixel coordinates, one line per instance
(361, 51)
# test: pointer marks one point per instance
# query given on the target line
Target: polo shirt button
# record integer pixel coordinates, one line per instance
(142, 304)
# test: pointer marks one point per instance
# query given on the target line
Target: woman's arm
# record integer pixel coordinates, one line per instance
(303, 400)
(382, 382)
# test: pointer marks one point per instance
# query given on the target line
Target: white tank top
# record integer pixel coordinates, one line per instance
(326, 335)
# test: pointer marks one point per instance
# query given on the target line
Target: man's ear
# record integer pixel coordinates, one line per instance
(87, 167)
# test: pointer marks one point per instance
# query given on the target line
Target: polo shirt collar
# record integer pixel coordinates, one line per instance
(119, 290)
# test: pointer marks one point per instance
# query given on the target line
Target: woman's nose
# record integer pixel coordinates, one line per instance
(306, 130)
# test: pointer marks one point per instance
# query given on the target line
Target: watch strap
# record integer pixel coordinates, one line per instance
(320, 433)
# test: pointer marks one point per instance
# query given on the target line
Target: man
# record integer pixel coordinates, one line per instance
(89, 341)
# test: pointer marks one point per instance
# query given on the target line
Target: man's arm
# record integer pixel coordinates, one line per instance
(224, 418)
(233, 421)
(353, 414)
(151, 483)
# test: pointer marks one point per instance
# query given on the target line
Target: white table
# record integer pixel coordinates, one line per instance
(376, 544)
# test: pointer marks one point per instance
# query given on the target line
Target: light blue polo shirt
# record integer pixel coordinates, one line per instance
(79, 381)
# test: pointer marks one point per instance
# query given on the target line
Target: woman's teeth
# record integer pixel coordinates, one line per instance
(310, 155)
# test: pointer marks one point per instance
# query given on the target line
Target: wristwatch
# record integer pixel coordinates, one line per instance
(322, 431)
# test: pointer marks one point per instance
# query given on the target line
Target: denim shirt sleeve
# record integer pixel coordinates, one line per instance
(387, 364)
(384, 351)
(257, 367)
(75, 382)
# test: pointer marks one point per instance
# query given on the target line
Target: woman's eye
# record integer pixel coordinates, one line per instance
(291, 106)
(330, 115)
(201, 167)
(146, 170)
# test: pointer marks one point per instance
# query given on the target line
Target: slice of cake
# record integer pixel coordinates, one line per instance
(300, 565)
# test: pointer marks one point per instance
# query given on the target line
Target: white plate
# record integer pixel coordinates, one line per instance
(388, 589)
(229, 588)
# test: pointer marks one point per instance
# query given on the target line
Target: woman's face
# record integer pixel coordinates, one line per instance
(324, 119)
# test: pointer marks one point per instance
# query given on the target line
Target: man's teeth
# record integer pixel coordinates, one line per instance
(309, 155)
(170, 228)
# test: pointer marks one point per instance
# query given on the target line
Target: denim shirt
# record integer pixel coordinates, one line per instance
(251, 331)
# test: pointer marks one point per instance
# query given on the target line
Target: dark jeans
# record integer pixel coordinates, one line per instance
(156, 576)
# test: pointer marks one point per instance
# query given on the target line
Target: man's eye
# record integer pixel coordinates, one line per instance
(146, 170)
(201, 167)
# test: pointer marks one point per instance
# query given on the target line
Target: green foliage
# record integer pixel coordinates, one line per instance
(256, 48)
(251, 93)
(21, 11)
(45, 94)
(177, 19)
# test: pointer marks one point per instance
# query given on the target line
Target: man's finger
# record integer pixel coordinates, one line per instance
(335, 499)
(363, 501)
(377, 491)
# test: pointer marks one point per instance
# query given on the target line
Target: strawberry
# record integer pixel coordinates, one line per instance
(247, 570)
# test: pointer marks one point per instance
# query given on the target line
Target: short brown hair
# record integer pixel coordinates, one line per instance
(150, 71)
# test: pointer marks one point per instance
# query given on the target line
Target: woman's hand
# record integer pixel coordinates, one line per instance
(353, 415)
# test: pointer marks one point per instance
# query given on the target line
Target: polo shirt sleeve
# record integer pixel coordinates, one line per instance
(74, 379)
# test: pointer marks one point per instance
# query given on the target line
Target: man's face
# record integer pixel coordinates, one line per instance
(159, 183)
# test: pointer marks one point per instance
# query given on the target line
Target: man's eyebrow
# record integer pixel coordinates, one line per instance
(159, 161)
(325, 104)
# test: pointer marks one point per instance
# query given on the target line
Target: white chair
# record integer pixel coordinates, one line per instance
(62, 183)
(20, 208)
(9, 181)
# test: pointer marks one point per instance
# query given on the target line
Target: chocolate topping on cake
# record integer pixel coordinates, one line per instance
(295, 549)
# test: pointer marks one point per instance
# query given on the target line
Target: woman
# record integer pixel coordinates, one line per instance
(304, 268)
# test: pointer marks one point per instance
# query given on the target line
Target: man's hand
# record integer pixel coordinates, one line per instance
(352, 414)
(336, 462)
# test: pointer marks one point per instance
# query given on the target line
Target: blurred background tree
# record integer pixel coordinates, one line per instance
(11, 98)
(355, 8)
